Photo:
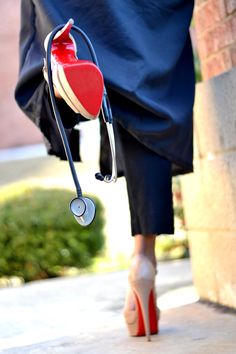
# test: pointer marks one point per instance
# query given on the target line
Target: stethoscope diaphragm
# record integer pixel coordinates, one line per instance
(78, 206)
(84, 210)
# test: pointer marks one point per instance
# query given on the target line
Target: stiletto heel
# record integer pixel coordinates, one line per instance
(79, 82)
(143, 319)
(142, 290)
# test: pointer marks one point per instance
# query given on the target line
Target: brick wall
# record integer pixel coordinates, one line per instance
(215, 22)
(15, 128)
(210, 207)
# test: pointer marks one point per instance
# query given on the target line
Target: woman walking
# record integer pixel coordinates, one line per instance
(145, 55)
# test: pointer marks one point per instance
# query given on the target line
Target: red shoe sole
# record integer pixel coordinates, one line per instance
(79, 82)
(153, 319)
(83, 84)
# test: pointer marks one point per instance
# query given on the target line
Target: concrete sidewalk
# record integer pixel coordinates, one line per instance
(84, 315)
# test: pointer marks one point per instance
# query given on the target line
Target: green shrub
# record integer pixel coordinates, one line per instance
(39, 236)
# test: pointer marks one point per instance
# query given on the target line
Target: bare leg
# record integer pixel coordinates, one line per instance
(145, 245)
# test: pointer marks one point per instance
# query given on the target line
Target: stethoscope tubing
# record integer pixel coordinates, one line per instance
(106, 111)
(57, 114)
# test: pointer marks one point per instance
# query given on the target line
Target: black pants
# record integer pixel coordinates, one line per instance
(149, 185)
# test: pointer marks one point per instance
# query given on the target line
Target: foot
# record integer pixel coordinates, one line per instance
(140, 310)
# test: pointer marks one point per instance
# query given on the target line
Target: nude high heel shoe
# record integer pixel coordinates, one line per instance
(79, 82)
(142, 319)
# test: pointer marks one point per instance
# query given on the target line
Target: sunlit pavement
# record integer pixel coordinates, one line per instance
(76, 310)
(84, 315)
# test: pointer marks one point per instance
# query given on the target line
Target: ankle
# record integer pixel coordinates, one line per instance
(150, 256)
(145, 246)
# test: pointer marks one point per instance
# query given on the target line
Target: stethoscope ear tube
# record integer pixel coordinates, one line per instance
(106, 114)
(83, 208)
(57, 114)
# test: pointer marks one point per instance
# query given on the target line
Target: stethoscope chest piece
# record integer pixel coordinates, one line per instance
(84, 210)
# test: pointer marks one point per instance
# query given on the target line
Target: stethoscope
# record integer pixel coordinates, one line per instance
(83, 208)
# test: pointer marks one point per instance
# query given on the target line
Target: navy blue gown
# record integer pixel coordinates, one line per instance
(145, 54)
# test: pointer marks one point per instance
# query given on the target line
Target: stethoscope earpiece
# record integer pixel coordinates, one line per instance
(99, 176)
(84, 210)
